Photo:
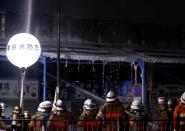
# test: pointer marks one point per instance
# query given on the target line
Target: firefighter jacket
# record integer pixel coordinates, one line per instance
(179, 117)
(88, 122)
(39, 121)
(137, 121)
(3, 125)
(163, 118)
(15, 121)
(60, 121)
(170, 119)
(112, 114)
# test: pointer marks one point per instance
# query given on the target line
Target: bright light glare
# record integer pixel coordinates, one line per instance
(23, 50)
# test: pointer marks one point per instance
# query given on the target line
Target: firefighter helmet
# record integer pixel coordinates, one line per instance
(59, 105)
(183, 98)
(86, 102)
(161, 100)
(3, 105)
(41, 108)
(90, 105)
(136, 105)
(16, 110)
(26, 114)
(111, 96)
(46, 104)
(171, 103)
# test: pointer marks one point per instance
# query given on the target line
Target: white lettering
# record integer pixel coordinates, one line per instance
(23, 47)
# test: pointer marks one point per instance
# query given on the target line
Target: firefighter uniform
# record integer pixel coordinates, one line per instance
(27, 118)
(179, 115)
(137, 118)
(3, 107)
(87, 119)
(61, 119)
(171, 106)
(112, 113)
(163, 114)
(39, 120)
(15, 118)
(3, 125)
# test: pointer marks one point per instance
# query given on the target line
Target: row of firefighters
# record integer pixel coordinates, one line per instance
(111, 116)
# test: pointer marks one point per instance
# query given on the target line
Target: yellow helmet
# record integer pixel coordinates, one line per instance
(26, 114)
(16, 110)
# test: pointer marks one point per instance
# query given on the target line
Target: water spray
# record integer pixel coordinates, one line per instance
(28, 15)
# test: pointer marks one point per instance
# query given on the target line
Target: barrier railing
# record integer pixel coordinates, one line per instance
(93, 125)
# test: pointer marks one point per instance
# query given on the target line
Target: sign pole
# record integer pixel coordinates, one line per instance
(56, 97)
(23, 70)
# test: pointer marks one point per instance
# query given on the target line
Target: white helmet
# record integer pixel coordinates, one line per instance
(183, 98)
(41, 108)
(171, 103)
(86, 102)
(161, 100)
(111, 96)
(3, 105)
(59, 105)
(136, 105)
(90, 105)
(47, 104)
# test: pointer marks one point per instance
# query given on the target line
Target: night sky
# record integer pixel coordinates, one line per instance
(162, 12)
(165, 11)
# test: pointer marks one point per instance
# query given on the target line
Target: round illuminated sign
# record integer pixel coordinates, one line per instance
(23, 50)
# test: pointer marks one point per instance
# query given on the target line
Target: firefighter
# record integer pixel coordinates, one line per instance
(3, 107)
(163, 114)
(15, 117)
(137, 116)
(27, 115)
(3, 125)
(179, 115)
(27, 118)
(112, 113)
(61, 119)
(171, 106)
(39, 120)
(87, 119)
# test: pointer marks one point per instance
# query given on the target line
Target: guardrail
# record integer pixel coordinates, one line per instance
(91, 125)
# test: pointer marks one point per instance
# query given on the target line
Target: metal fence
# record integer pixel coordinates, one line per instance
(59, 125)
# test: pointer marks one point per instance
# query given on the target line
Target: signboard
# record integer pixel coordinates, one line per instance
(136, 90)
(124, 88)
(10, 89)
(23, 50)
